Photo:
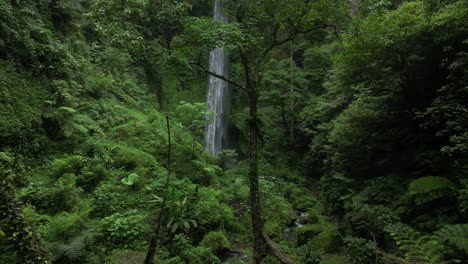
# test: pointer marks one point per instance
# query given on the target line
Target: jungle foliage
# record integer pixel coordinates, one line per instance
(361, 121)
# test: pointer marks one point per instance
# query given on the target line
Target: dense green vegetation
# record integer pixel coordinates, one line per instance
(358, 110)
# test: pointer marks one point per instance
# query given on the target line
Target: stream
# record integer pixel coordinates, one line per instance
(238, 254)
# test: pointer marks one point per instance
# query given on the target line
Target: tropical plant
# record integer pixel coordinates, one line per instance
(179, 220)
(130, 179)
(427, 189)
(419, 248)
(455, 236)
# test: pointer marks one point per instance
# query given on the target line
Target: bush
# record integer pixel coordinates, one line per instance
(125, 230)
(322, 237)
(327, 241)
(67, 164)
(365, 218)
(309, 255)
(217, 242)
(131, 158)
(127, 257)
(64, 226)
(300, 198)
(182, 247)
(307, 232)
(210, 214)
(360, 250)
(61, 195)
(201, 255)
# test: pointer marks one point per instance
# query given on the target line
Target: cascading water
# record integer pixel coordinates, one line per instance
(218, 94)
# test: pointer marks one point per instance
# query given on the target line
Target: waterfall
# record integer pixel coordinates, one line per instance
(218, 94)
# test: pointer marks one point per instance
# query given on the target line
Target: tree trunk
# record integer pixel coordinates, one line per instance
(155, 84)
(162, 211)
(285, 121)
(291, 90)
(260, 244)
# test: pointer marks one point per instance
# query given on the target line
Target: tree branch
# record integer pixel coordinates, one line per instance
(219, 76)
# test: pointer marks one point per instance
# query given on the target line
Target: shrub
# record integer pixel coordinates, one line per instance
(382, 190)
(64, 226)
(309, 256)
(201, 255)
(427, 189)
(300, 198)
(67, 164)
(327, 241)
(360, 250)
(366, 218)
(210, 214)
(127, 257)
(217, 242)
(130, 158)
(62, 195)
(125, 229)
(307, 232)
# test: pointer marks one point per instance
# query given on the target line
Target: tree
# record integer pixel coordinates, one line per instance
(256, 30)
(149, 259)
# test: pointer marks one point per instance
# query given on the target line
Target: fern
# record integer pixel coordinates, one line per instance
(454, 235)
(417, 248)
(428, 184)
(75, 251)
(427, 189)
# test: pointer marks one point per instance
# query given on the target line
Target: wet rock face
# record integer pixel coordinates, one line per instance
(302, 219)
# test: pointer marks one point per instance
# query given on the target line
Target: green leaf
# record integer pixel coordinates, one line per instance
(67, 109)
(130, 179)
(174, 227)
(5, 157)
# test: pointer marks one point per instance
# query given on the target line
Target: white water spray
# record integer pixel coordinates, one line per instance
(218, 94)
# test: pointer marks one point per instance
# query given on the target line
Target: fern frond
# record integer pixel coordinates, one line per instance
(428, 184)
(418, 248)
(426, 189)
(74, 251)
(454, 235)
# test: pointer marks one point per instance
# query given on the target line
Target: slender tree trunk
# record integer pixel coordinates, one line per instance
(285, 121)
(193, 146)
(162, 211)
(291, 90)
(260, 244)
(155, 84)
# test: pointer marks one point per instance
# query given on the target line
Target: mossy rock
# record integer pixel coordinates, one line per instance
(217, 241)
